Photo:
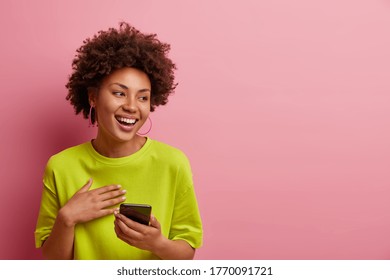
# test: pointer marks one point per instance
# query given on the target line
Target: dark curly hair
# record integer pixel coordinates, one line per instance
(114, 49)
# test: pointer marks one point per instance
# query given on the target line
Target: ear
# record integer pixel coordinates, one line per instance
(92, 95)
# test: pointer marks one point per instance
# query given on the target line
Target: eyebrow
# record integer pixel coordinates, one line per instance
(121, 85)
(125, 87)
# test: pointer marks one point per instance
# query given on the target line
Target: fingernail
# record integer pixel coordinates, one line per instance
(123, 198)
(123, 191)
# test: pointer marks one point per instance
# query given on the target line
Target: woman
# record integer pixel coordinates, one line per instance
(119, 77)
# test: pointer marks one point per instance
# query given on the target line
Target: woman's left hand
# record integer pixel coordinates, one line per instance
(139, 235)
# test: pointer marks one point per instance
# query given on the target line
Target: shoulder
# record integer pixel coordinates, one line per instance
(174, 159)
(60, 163)
(170, 156)
(168, 152)
(68, 155)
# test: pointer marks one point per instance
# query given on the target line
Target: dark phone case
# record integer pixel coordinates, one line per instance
(139, 213)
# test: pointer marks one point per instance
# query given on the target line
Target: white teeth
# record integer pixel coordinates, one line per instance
(126, 120)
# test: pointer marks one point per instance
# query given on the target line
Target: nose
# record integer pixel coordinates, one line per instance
(130, 104)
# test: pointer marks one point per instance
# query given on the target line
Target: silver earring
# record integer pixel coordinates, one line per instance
(150, 128)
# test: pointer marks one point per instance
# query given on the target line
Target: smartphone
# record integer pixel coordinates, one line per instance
(137, 212)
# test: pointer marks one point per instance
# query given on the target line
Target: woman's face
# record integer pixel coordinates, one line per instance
(122, 104)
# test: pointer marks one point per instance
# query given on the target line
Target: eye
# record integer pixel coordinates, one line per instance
(118, 93)
(144, 98)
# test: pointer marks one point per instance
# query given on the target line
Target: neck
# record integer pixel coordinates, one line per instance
(118, 149)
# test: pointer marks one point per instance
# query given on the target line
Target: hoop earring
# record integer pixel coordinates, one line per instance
(150, 128)
(90, 123)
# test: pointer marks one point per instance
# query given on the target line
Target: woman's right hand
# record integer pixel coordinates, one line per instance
(87, 205)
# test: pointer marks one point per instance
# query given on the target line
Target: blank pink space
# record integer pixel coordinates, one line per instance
(282, 107)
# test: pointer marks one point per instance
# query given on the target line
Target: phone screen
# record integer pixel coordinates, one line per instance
(139, 213)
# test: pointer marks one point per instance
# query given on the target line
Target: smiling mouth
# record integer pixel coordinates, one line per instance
(126, 121)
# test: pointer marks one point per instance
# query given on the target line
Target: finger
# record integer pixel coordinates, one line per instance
(108, 211)
(106, 189)
(112, 202)
(112, 194)
(86, 187)
(154, 222)
(118, 230)
(130, 223)
(127, 232)
(121, 235)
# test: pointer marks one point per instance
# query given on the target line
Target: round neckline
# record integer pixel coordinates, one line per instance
(120, 160)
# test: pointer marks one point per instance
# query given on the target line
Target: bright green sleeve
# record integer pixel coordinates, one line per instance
(48, 210)
(186, 220)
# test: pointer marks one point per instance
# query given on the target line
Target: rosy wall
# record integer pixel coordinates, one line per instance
(282, 108)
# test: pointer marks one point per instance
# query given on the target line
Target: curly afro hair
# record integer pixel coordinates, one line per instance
(114, 49)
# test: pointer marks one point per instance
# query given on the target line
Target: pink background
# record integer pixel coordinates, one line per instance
(282, 108)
